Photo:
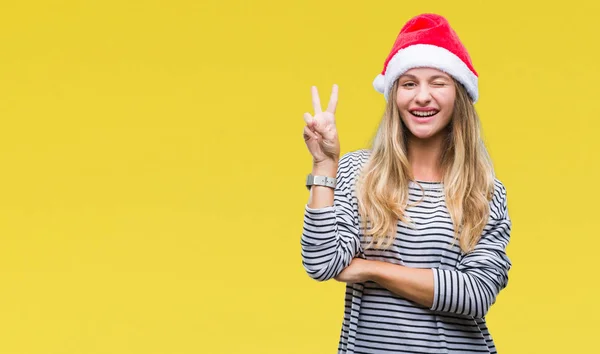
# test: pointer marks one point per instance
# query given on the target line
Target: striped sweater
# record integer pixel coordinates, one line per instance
(465, 285)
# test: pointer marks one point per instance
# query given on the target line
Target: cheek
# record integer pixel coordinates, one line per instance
(403, 98)
(446, 100)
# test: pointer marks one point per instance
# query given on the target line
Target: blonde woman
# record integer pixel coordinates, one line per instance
(416, 225)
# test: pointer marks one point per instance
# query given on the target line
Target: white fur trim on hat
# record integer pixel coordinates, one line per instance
(426, 55)
(379, 83)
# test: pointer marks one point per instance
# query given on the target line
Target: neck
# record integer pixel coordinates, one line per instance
(424, 156)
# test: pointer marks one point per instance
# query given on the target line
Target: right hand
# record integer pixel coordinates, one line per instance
(320, 133)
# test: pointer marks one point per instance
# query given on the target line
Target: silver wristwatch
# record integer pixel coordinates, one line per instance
(320, 181)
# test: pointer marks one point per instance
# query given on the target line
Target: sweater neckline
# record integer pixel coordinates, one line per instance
(427, 185)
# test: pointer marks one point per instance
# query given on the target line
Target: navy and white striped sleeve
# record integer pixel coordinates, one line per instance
(480, 276)
(330, 236)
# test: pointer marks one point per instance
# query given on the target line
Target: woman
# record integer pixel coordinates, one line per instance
(417, 225)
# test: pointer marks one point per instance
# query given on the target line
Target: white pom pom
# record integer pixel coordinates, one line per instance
(379, 83)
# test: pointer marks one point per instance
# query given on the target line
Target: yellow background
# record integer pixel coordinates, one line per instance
(153, 168)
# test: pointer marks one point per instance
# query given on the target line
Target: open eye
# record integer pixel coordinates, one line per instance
(408, 84)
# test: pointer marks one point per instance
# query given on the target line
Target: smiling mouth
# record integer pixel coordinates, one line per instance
(424, 114)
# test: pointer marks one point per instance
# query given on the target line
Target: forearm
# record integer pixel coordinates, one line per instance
(330, 238)
(440, 290)
(414, 284)
(322, 196)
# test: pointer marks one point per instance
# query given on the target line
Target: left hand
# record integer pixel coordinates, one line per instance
(356, 272)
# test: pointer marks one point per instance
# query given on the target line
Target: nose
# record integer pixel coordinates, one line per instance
(423, 95)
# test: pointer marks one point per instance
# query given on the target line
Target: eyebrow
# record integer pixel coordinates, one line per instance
(409, 76)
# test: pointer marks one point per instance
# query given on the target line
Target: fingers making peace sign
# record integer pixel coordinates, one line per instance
(320, 133)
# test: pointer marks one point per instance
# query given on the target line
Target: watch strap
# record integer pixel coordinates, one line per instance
(320, 181)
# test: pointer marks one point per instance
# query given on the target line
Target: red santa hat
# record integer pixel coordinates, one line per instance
(427, 40)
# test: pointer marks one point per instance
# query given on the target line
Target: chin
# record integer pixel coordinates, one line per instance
(422, 134)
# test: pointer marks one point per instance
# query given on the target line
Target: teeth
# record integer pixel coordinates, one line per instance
(423, 114)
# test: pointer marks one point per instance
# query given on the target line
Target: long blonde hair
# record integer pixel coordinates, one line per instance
(468, 176)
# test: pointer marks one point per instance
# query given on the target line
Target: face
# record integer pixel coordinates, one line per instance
(425, 98)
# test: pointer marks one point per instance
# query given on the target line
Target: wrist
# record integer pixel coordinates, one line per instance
(371, 271)
(325, 168)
